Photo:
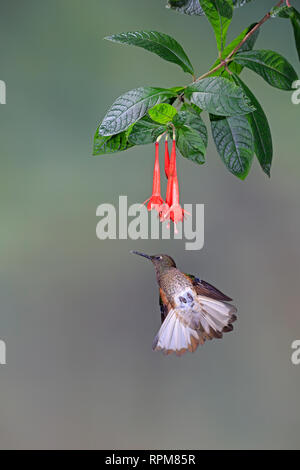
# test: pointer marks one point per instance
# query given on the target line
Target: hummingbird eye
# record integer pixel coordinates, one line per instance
(158, 257)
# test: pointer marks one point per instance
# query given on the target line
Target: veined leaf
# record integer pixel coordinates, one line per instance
(145, 131)
(247, 46)
(294, 15)
(261, 130)
(111, 144)
(240, 3)
(283, 11)
(234, 141)
(219, 14)
(295, 19)
(192, 108)
(162, 113)
(189, 7)
(191, 133)
(190, 144)
(159, 43)
(219, 96)
(192, 7)
(271, 66)
(190, 115)
(250, 43)
(176, 89)
(131, 107)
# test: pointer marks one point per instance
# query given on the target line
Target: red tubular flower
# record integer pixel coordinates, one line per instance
(174, 212)
(155, 201)
(167, 158)
(171, 174)
(288, 3)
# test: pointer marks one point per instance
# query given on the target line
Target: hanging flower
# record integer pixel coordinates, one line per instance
(172, 172)
(155, 201)
(167, 158)
(174, 212)
(171, 209)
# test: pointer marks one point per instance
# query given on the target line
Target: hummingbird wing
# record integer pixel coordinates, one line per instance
(208, 290)
(164, 304)
(191, 321)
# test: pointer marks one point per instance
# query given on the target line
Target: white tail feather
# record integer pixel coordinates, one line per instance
(185, 327)
(174, 335)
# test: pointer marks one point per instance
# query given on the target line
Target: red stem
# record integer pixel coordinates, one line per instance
(229, 57)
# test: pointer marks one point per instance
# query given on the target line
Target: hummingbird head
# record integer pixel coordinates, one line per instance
(160, 262)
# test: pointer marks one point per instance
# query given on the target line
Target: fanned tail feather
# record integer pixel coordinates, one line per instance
(175, 336)
(186, 327)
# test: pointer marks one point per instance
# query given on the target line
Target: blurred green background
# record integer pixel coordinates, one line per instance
(78, 314)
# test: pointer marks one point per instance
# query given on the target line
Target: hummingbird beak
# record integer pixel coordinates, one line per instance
(141, 254)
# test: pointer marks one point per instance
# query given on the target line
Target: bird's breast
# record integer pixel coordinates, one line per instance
(174, 285)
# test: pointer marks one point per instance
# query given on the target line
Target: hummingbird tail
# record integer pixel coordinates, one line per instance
(216, 317)
(192, 323)
(175, 336)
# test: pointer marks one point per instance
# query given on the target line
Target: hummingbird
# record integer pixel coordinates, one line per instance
(192, 310)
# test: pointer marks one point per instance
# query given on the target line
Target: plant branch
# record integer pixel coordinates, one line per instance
(229, 57)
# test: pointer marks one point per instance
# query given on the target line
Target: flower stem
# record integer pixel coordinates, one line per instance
(160, 136)
(228, 59)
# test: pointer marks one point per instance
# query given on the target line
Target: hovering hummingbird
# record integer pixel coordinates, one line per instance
(192, 311)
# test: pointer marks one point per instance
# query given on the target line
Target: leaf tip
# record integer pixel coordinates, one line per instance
(242, 177)
(101, 132)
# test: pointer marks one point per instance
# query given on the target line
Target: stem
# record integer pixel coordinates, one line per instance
(174, 130)
(229, 57)
(160, 136)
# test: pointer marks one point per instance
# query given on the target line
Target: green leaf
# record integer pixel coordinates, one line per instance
(219, 96)
(192, 7)
(295, 19)
(261, 130)
(111, 144)
(190, 116)
(162, 113)
(250, 42)
(176, 89)
(283, 11)
(247, 46)
(271, 66)
(219, 14)
(191, 133)
(240, 3)
(192, 108)
(190, 144)
(234, 141)
(189, 7)
(294, 16)
(159, 43)
(131, 107)
(145, 131)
